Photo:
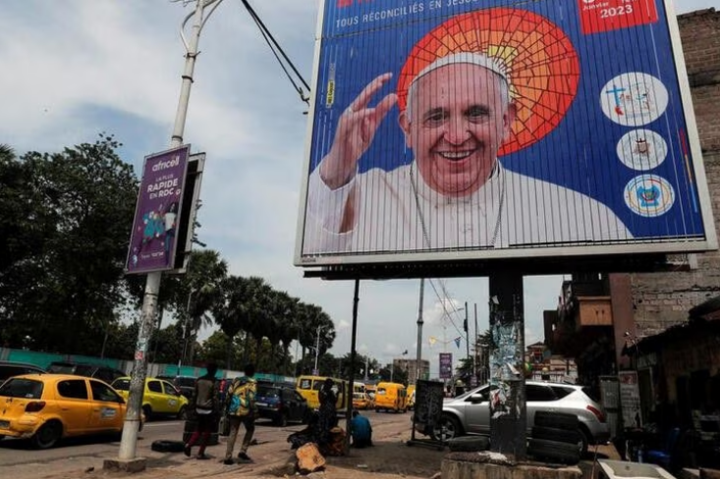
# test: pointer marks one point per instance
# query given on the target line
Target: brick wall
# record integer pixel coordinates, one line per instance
(661, 300)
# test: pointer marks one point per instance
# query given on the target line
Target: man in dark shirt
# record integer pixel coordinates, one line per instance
(205, 403)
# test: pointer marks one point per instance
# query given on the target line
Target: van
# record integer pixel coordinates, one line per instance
(309, 387)
(390, 396)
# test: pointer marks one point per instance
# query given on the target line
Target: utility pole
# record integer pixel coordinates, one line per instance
(467, 334)
(418, 356)
(475, 342)
(317, 351)
(128, 444)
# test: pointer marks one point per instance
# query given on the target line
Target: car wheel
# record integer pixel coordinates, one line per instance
(147, 410)
(48, 435)
(182, 413)
(449, 428)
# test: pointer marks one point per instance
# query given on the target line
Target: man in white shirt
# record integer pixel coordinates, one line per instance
(455, 194)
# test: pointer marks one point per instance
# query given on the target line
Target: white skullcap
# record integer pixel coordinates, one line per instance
(472, 58)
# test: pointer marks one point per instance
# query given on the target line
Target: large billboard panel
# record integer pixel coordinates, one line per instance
(468, 129)
(154, 235)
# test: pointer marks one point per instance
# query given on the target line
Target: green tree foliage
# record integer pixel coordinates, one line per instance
(63, 240)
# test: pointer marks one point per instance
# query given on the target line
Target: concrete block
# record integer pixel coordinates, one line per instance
(131, 466)
(689, 474)
(475, 466)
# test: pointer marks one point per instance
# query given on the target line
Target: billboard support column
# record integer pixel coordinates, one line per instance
(351, 374)
(128, 442)
(507, 379)
(418, 356)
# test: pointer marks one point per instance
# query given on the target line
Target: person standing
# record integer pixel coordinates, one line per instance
(361, 430)
(241, 409)
(327, 415)
(205, 402)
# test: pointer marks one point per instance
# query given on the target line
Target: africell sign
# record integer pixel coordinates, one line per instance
(468, 129)
(153, 238)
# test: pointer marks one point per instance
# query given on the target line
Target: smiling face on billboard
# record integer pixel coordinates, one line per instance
(457, 119)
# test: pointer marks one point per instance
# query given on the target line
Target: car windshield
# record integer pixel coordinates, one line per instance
(121, 384)
(469, 393)
(61, 368)
(22, 388)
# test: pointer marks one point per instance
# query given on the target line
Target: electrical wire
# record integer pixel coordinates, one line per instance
(444, 307)
(275, 48)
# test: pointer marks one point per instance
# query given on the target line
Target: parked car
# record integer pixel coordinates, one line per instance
(186, 384)
(470, 412)
(48, 407)
(160, 398)
(104, 373)
(9, 369)
(282, 404)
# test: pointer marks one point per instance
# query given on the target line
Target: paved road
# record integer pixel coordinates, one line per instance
(19, 460)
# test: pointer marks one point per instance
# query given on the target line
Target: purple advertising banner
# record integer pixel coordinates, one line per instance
(445, 365)
(153, 238)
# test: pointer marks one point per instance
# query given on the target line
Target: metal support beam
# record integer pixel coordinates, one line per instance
(507, 379)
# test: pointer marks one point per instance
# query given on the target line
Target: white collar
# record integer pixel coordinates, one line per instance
(480, 197)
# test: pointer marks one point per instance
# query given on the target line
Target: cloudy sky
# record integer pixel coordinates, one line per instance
(75, 68)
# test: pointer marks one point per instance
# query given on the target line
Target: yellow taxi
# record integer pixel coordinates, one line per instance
(161, 398)
(361, 400)
(48, 407)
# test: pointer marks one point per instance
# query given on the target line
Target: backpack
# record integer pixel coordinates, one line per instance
(242, 398)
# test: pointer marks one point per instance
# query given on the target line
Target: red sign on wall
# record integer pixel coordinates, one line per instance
(605, 15)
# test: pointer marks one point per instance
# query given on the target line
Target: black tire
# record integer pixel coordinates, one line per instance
(448, 429)
(567, 436)
(553, 451)
(147, 410)
(167, 446)
(48, 435)
(469, 444)
(557, 420)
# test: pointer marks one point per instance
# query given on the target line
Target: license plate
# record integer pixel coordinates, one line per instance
(4, 424)
(264, 404)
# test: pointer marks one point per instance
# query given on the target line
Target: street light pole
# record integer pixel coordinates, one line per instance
(128, 444)
(317, 351)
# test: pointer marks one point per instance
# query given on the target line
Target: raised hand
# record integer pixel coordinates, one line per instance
(356, 129)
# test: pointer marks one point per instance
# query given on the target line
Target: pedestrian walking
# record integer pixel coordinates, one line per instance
(204, 402)
(241, 409)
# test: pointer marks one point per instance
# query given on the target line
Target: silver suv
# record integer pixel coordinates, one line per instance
(470, 412)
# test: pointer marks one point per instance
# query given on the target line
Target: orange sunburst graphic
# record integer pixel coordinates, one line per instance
(541, 64)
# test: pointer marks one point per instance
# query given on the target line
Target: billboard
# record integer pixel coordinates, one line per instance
(153, 239)
(446, 371)
(467, 129)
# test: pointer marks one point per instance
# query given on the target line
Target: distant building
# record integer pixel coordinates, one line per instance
(411, 367)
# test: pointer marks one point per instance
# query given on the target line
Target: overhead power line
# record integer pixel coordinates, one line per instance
(277, 52)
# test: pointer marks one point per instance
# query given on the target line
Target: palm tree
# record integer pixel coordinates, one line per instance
(230, 311)
(206, 271)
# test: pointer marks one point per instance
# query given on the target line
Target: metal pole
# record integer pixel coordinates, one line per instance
(475, 343)
(467, 334)
(128, 443)
(351, 379)
(418, 355)
(317, 351)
